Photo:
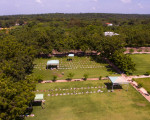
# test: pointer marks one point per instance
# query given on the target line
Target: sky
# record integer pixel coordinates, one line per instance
(13, 7)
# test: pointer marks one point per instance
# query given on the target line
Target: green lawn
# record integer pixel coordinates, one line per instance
(117, 105)
(145, 82)
(79, 66)
(142, 63)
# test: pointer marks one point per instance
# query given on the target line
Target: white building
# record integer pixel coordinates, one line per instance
(110, 33)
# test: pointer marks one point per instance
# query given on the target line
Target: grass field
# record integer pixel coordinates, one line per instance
(142, 63)
(117, 105)
(145, 82)
(79, 66)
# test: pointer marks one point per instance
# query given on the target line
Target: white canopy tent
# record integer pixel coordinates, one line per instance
(53, 63)
(39, 97)
(70, 56)
(118, 80)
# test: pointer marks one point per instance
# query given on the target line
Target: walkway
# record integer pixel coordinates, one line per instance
(73, 80)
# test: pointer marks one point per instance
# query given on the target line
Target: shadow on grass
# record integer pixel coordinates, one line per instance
(37, 103)
(99, 59)
(109, 86)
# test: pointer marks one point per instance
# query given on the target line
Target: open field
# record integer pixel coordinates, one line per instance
(79, 66)
(142, 63)
(145, 82)
(117, 105)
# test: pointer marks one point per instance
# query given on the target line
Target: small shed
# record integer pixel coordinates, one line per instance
(52, 64)
(70, 57)
(39, 97)
(118, 80)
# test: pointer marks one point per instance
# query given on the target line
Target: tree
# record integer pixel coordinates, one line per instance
(70, 76)
(123, 62)
(16, 87)
(108, 45)
(85, 76)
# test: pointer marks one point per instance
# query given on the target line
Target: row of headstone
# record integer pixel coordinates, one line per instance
(78, 67)
(82, 88)
(76, 93)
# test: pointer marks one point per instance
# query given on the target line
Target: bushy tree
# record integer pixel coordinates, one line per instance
(123, 61)
(70, 76)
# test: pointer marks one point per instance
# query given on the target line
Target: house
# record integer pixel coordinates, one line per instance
(110, 33)
(109, 24)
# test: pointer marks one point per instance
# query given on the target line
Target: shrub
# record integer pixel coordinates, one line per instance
(139, 50)
(39, 78)
(54, 78)
(147, 73)
(85, 76)
(100, 77)
(70, 76)
(140, 85)
(131, 50)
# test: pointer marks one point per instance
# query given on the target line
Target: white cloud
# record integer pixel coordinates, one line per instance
(38, 1)
(93, 8)
(68, 6)
(17, 5)
(140, 5)
(95, 0)
(126, 1)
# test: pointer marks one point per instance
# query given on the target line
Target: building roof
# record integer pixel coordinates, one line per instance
(53, 62)
(108, 23)
(71, 55)
(39, 97)
(118, 80)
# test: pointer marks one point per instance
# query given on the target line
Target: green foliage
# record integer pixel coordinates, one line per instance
(16, 86)
(39, 78)
(100, 77)
(147, 73)
(131, 50)
(139, 50)
(61, 32)
(85, 76)
(70, 76)
(140, 85)
(123, 62)
(54, 77)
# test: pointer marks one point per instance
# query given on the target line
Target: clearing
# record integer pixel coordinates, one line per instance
(79, 66)
(106, 105)
(142, 62)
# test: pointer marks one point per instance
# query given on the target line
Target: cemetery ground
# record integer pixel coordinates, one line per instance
(78, 66)
(142, 62)
(145, 83)
(90, 100)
